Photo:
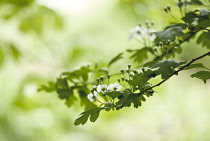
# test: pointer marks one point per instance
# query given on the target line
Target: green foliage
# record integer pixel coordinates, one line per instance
(91, 114)
(140, 55)
(197, 65)
(129, 99)
(115, 59)
(203, 39)
(165, 68)
(204, 75)
(170, 33)
(96, 93)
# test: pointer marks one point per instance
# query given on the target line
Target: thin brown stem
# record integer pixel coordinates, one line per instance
(176, 72)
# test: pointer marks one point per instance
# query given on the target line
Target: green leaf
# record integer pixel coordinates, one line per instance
(198, 65)
(49, 88)
(93, 114)
(189, 17)
(203, 24)
(195, 2)
(75, 75)
(141, 79)
(14, 51)
(149, 64)
(165, 68)
(204, 75)
(115, 59)
(140, 55)
(83, 92)
(169, 33)
(204, 39)
(113, 94)
(127, 100)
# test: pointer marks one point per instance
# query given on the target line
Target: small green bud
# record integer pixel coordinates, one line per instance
(122, 71)
(129, 66)
(118, 80)
(155, 49)
(123, 78)
(135, 71)
(94, 88)
(126, 80)
(147, 24)
(131, 75)
(127, 70)
(101, 78)
(98, 79)
(161, 44)
(108, 76)
(166, 10)
(169, 8)
(180, 4)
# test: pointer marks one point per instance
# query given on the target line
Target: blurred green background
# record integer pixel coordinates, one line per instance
(39, 39)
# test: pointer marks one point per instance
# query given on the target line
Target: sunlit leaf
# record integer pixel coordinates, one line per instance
(93, 114)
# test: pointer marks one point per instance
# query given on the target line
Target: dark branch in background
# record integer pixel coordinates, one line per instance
(176, 72)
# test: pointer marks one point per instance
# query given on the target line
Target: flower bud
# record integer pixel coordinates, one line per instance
(108, 76)
(166, 10)
(94, 87)
(101, 78)
(129, 66)
(135, 71)
(127, 70)
(131, 75)
(98, 79)
(123, 78)
(118, 80)
(161, 44)
(169, 8)
(122, 71)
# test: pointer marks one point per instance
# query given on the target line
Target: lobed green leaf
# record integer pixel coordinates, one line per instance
(165, 68)
(204, 75)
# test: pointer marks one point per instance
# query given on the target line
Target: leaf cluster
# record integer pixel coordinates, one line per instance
(164, 47)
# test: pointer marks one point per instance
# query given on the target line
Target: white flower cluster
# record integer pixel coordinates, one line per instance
(142, 33)
(102, 89)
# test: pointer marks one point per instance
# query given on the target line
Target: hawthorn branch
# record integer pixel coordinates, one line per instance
(176, 72)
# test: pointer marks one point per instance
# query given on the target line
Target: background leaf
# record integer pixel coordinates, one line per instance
(115, 59)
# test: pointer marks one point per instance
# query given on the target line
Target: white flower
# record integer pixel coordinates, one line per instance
(92, 96)
(114, 87)
(101, 88)
(140, 32)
